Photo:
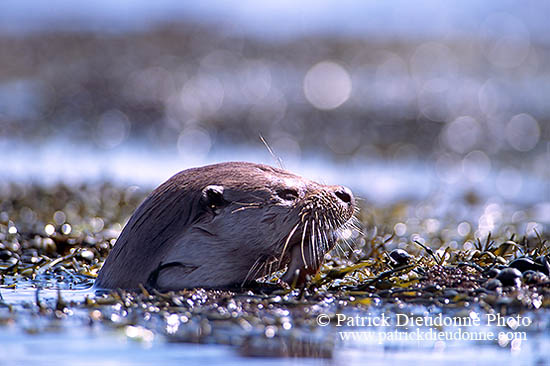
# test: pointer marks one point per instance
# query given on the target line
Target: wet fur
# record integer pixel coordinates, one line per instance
(173, 240)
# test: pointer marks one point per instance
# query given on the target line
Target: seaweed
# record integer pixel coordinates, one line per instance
(58, 238)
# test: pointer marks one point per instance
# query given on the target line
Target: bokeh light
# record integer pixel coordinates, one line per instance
(462, 134)
(194, 141)
(461, 92)
(327, 85)
(506, 40)
(522, 132)
(112, 129)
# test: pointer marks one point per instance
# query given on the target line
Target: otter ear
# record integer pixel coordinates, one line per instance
(213, 197)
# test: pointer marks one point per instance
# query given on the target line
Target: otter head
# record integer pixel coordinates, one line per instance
(227, 224)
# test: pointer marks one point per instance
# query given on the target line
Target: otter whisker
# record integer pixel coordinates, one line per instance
(288, 240)
(333, 224)
(258, 265)
(325, 240)
(251, 270)
(302, 244)
(261, 270)
(346, 241)
(313, 244)
(244, 208)
(321, 245)
(247, 205)
(277, 158)
(340, 248)
(349, 247)
(269, 262)
(354, 223)
(270, 267)
(357, 229)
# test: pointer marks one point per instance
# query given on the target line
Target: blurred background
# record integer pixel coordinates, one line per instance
(407, 97)
(436, 113)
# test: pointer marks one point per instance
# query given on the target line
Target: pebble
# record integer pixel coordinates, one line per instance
(510, 277)
(493, 272)
(544, 261)
(541, 259)
(492, 284)
(526, 264)
(11, 261)
(534, 277)
(87, 255)
(400, 257)
(5, 255)
(450, 293)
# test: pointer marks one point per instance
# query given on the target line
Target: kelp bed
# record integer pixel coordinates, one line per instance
(406, 257)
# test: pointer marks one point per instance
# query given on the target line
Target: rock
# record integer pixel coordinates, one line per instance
(493, 272)
(526, 264)
(510, 277)
(400, 257)
(492, 284)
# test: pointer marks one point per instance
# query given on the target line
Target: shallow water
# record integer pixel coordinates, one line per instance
(32, 339)
(382, 181)
(80, 347)
(74, 340)
(434, 186)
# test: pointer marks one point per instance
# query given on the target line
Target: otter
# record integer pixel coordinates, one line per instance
(225, 225)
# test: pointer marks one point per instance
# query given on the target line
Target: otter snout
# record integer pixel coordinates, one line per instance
(344, 196)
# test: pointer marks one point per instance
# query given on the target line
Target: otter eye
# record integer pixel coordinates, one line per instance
(213, 197)
(288, 194)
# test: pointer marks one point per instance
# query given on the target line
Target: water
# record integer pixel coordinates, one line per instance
(278, 19)
(74, 340)
(381, 181)
(505, 79)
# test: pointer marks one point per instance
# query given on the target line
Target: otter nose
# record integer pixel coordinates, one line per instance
(344, 194)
